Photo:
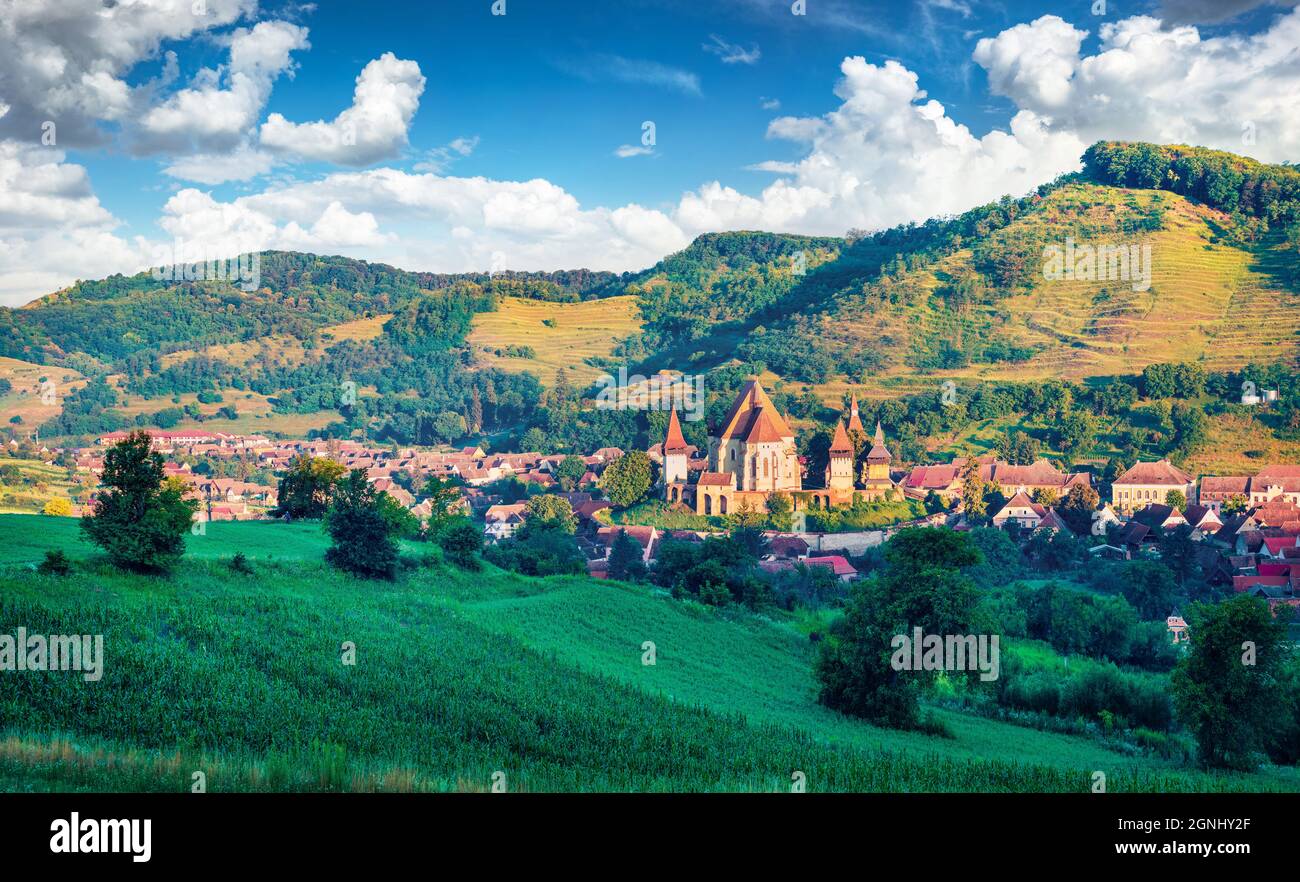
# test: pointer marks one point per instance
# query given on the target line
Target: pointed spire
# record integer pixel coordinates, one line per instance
(855, 419)
(879, 452)
(841, 444)
(674, 442)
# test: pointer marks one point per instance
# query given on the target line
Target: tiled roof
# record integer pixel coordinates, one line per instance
(737, 423)
(1160, 473)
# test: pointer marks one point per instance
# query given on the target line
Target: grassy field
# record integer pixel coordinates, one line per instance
(459, 677)
(579, 330)
(26, 401)
(38, 484)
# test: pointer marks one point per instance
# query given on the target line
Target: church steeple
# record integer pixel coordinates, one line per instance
(674, 441)
(855, 419)
(879, 452)
(840, 443)
(675, 452)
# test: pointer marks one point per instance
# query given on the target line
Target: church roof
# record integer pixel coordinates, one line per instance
(763, 427)
(879, 452)
(674, 442)
(841, 443)
(739, 421)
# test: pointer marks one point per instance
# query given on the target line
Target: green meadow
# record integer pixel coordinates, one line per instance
(461, 679)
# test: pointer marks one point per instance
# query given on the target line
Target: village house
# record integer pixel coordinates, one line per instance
(947, 480)
(503, 521)
(1148, 482)
(1020, 510)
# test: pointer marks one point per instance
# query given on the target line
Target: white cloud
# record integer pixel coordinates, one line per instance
(375, 126)
(222, 105)
(627, 151)
(634, 70)
(886, 154)
(67, 61)
(769, 103)
(1154, 83)
(53, 229)
(241, 164)
(439, 159)
(731, 53)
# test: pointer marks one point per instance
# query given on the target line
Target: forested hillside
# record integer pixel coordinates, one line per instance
(352, 347)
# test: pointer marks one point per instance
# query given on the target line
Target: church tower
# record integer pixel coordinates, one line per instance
(839, 468)
(674, 451)
(875, 478)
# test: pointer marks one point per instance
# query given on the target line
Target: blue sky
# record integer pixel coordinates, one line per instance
(495, 139)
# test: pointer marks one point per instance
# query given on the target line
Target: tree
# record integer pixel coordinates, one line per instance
(973, 490)
(539, 551)
(1077, 507)
(1076, 432)
(59, 508)
(551, 512)
(461, 540)
(401, 523)
(363, 542)
(308, 485)
(139, 518)
(1018, 448)
(626, 558)
(923, 586)
(780, 511)
(56, 563)
(628, 479)
(1176, 499)
(1237, 503)
(1178, 552)
(533, 439)
(1046, 496)
(570, 471)
(1149, 586)
(441, 494)
(1225, 688)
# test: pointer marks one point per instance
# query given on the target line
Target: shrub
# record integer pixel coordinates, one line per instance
(56, 563)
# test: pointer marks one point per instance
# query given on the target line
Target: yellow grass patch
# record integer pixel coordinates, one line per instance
(581, 330)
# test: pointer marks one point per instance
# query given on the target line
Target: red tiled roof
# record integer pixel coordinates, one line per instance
(1275, 544)
(674, 442)
(1162, 473)
(837, 563)
(1245, 583)
(738, 421)
(840, 443)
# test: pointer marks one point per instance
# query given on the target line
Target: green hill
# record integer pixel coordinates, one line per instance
(461, 676)
(890, 312)
(968, 297)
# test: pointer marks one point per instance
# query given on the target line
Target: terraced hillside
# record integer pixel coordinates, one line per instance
(1211, 300)
(560, 335)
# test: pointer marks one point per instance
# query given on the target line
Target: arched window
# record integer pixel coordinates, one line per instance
(708, 505)
(722, 505)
